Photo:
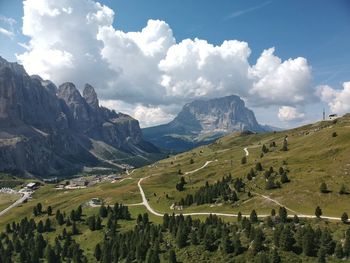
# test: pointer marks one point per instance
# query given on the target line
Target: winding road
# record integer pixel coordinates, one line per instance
(152, 211)
(200, 168)
(246, 151)
(24, 197)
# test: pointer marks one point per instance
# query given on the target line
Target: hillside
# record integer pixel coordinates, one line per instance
(317, 153)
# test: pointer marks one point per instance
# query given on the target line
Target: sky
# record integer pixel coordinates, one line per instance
(288, 59)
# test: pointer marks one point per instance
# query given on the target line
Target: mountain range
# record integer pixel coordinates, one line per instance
(203, 121)
(49, 131)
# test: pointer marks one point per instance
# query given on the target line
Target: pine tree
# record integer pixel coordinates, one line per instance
(284, 178)
(327, 242)
(264, 149)
(318, 212)
(47, 226)
(39, 208)
(258, 167)
(275, 257)
(194, 238)
(181, 237)
(35, 211)
(75, 230)
(283, 215)
(209, 239)
(50, 255)
(308, 242)
(172, 256)
(321, 255)
(103, 211)
(40, 227)
(60, 219)
(98, 225)
(273, 212)
(49, 211)
(346, 248)
(253, 217)
(98, 252)
(91, 221)
(239, 216)
(287, 240)
(226, 244)
(257, 245)
(344, 217)
(244, 160)
(323, 188)
(338, 250)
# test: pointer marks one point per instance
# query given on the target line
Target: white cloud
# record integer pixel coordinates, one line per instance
(76, 41)
(6, 32)
(338, 100)
(63, 44)
(281, 83)
(6, 26)
(287, 113)
(146, 115)
(195, 68)
(135, 57)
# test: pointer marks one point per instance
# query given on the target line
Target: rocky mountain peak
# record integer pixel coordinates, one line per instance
(226, 114)
(48, 131)
(69, 93)
(15, 68)
(90, 96)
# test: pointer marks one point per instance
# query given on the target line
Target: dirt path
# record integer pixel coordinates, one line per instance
(24, 197)
(246, 151)
(200, 168)
(152, 211)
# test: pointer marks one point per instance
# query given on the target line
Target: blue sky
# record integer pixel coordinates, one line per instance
(318, 30)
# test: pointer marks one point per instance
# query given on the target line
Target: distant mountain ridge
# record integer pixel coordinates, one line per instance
(203, 121)
(50, 131)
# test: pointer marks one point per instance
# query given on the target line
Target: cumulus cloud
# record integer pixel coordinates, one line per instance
(287, 113)
(63, 44)
(195, 68)
(281, 83)
(338, 100)
(146, 115)
(134, 56)
(148, 70)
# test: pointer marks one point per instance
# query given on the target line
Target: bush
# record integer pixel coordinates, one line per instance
(323, 188)
(334, 134)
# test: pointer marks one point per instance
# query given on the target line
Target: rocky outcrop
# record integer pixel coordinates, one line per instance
(203, 121)
(48, 131)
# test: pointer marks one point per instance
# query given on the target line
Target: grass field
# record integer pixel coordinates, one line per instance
(7, 199)
(314, 156)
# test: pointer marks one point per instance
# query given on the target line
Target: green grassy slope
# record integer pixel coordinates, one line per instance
(314, 156)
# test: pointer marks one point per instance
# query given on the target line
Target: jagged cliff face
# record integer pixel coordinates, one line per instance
(48, 131)
(201, 122)
(225, 114)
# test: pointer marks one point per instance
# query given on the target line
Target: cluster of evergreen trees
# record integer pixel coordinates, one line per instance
(141, 244)
(24, 242)
(271, 176)
(223, 190)
(250, 239)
